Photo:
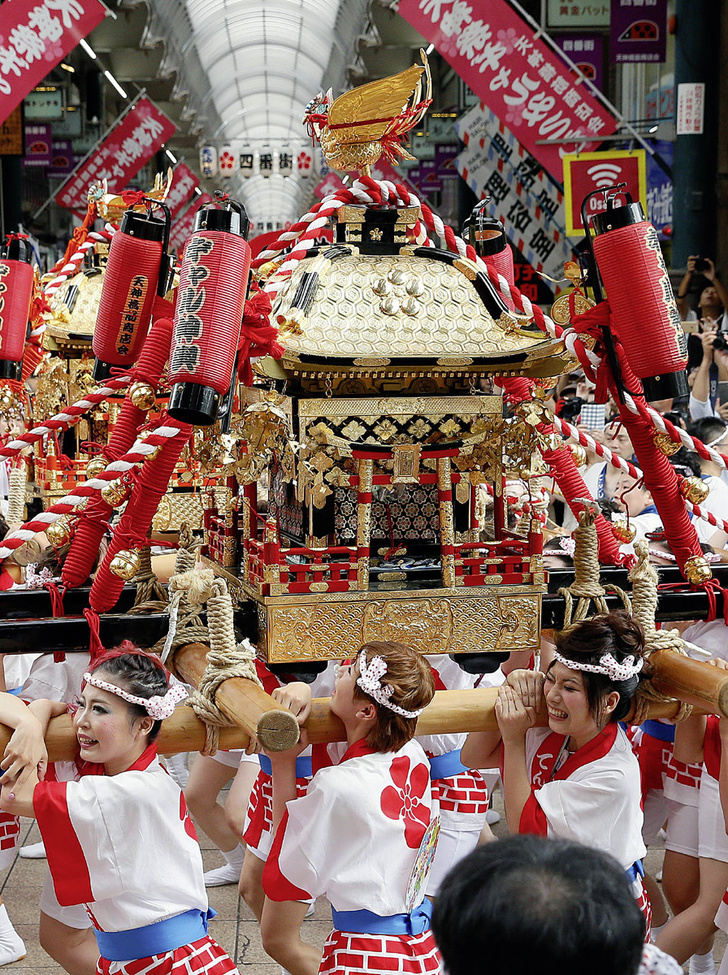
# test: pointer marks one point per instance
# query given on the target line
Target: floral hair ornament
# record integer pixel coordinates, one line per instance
(157, 707)
(370, 681)
(607, 665)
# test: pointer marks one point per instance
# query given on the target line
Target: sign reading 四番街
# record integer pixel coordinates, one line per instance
(35, 36)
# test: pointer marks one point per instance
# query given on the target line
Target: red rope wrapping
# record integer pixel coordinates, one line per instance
(136, 521)
(257, 335)
(95, 646)
(660, 477)
(94, 518)
(566, 473)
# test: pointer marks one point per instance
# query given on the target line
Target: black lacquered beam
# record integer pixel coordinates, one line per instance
(36, 603)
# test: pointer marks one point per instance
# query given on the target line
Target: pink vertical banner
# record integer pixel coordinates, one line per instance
(514, 72)
(183, 186)
(35, 37)
(132, 142)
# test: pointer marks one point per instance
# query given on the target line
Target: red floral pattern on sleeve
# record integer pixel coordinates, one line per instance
(403, 799)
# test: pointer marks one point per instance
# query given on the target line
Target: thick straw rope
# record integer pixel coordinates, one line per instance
(586, 585)
(16, 496)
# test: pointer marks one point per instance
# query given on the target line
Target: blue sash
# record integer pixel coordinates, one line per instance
(154, 939)
(365, 922)
(304, 770)
(443, 766)
(635, 871)
(656, 729)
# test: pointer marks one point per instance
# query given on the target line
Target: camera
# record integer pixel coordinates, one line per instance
(571, 408)
(701, 265)
(719, 342)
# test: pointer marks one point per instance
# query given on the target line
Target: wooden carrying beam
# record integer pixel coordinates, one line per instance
(450, 712)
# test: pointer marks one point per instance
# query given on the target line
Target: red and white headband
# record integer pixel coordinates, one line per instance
(157, 707)
(370, 681)
(607, 665)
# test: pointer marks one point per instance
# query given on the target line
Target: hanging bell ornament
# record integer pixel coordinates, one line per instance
(60, 531)
(578, 453)
(623, 532)
(666, 444)
(125, 564)
(142, 395)
(697, 570)
(114, 492)
(95, 466)
(694, 489)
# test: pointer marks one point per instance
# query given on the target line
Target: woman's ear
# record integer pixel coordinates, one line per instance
(144, 725)
(367, 711)
(610, 702)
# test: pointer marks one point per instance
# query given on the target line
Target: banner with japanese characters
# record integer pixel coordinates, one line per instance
(35, 36)
(514, 72)
(132, 142)
(183, 186)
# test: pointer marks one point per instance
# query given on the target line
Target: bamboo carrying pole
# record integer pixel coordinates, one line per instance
(692, 681)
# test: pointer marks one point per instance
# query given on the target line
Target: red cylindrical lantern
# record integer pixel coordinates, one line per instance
(488, 237)
(644, 312)
(16, 293)
(209, 313)
(136, 270)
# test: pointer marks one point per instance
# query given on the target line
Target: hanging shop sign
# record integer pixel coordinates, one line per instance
(481, 127)
(183, 225)
(590, 171)
(517, 74)
(62, 163)
(304, 162)
(659, 190)
(44, 104)
(36, 35)
(585, 13)
(541, 243)
(285, 162)
(138, 134)
(12, 141)
(690, 108)
(38, 146)
(638, 31)
(183, 186)
(208, 162)
(587, 53)
(246, 163)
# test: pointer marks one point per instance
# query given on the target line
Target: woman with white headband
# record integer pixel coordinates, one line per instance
(577, 778)
(118, 836)
(363, 834)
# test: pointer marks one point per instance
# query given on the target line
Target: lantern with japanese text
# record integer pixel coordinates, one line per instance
(210, 300)
(136, 272)
(16, 292)
(644, 312)
(208, 161)
(488, 237)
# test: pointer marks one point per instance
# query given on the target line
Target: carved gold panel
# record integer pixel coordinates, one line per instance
(434, 621)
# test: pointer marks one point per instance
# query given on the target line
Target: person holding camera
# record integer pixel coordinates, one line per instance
(711, 371)
(713, 299)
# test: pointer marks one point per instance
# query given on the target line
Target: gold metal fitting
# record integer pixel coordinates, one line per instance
(697, 570)
(125, 564)
(694, 489)
(142, 395)
(60, 531)
(578, 453)
(114, 492)
(623, 531)
(666, 444)
(95, 466)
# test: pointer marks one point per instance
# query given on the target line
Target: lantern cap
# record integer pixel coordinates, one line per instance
(615, 217)
(485, 232)
(10, 369)
(668, 385)
(16, 247)
(225, 214)
(143, 225)
(102, 370)
(194, 403)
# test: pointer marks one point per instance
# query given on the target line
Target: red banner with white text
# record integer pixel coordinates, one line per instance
(514, 72)
(118, 158)
(35, 36)
(183, 186)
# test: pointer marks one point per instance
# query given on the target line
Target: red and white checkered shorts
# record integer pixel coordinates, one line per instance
(258, 830)
(203, 957)
(644, 903)
(379, 954)
(463, 793)
(9, 832)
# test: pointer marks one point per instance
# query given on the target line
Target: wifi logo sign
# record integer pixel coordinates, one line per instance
(604, 174)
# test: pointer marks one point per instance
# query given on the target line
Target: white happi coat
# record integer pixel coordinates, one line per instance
(593, 798)
(124, 845)
(355, 835)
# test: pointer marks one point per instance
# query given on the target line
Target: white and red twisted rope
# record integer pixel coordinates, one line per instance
(624, 465)
(140, 449)
(62, 421)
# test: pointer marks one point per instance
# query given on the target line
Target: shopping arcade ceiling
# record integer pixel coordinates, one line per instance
(242, 71)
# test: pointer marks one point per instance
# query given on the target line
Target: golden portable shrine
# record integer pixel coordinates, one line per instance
(328, 431)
